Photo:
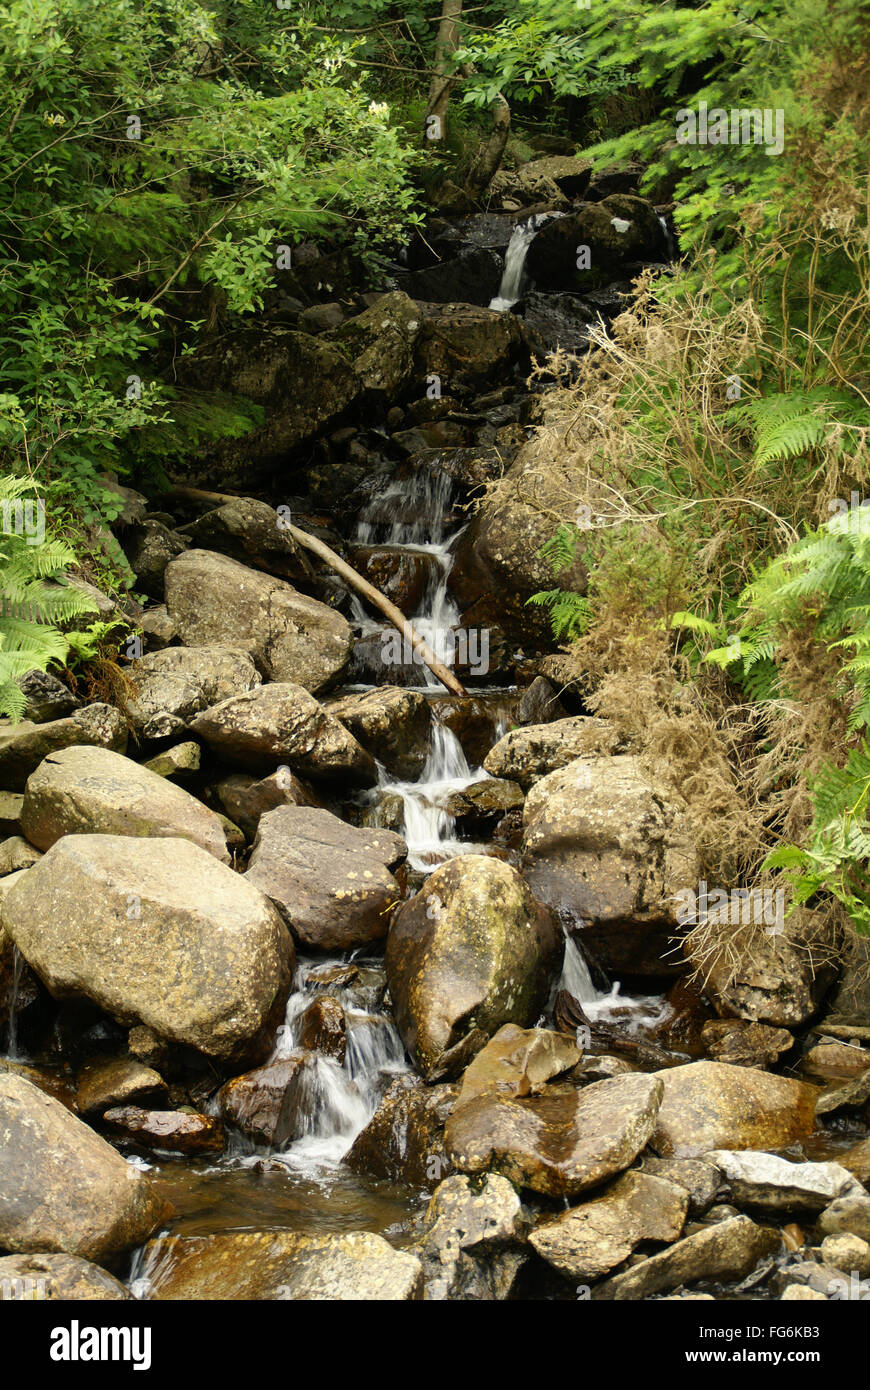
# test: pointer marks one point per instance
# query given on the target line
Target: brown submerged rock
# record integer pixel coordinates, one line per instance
(709, 1105)
(404, 1139)
(322, 1028)
(471, 951)
(561, 1142)
(283, 1265)
(176, 1131)
(64, 1188)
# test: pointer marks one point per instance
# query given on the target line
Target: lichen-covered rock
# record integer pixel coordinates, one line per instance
(64, 1188)
(471, 1238)
(215, 600)
(87, 791)
(51, 1278)
(530, 753)
(24, 745)
(471, 951)
(184, 680)
(709, 1105)
(156, 932)
(391, 723)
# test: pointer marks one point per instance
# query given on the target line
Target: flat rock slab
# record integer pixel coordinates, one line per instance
(330, 881)
(710, 1105)
(282, 723)
(156, 932)
(772, 1184)
(729, 1250)
(86, 791)
(281, 1265)
(593, 1239)
(64, 1188)
(561, 1142)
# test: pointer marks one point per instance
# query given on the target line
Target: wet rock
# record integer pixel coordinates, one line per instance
(773, 1185)
(103, 1084)
(265, 1103)
(215, 600)
(620, 229)
(779, 977)
(158, 932)
(171, 1131)
(303, 383)
(17, 854)
(518, 1062)
(184, 680)
(561, 1142)
(848, 1216)
(24, 745)
(471, 951)
(330, 881)
(602, 841)
(282, 723)
(484, 801)
(591, 1240)
(528, 754)
(404, 1140)
(729, 1250)
(380, 343)
(51, 1278)
(465, 346)
(322, 1028)
(701, 1179)
(835, 1059)
(707, 1105)
(857, 1160)
(88, 791)
(541, 705)
(468, 1231)
(400, 575)
(47, 697)
(472, 277)
(181, 760)
(744, 1044)
(285, 1265)
(253, 533)
(391, 723)
(64, 1188)
(847, 1253)
(149, 550)
(854, 1095)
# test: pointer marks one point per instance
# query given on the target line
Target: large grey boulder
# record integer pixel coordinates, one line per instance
(87, 791)
(182, 681)
(155, 932)
(530, 753)
(213, 599)
(24, 745)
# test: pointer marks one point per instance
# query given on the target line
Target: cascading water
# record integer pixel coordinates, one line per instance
(515, 260)
(633, 1013)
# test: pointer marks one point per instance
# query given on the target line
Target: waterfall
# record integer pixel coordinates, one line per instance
(634, 1013)
(514, 265)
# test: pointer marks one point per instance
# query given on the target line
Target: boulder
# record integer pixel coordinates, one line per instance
(848, 1216)
(471, 951)
(380, 344)
(530, 753)
(330, 881)
(710, 1105)
(47, 697)
(253, 533)
(465, 346)
(729, 1250)
(24, 745)
(215, 600)
(280, 1265)
(155, 932)
(392, 724)
(619, 230)
(168, 1131)
(282, 723)
(149, 550)
(57, 1278)
(776, 977)
(404, 1139)
(702, 1180)
(472, 277)
(468, 1232)
(560, 1142)
(245, 798)
(92, 791)
(181, 760)
(605, 844)
(184, 680)
(775, 1185)
(857, 1160)
(322, 1027)
(591, 1240)
(745, 1044)
(518, 1062)
(16, 854)
(64, 1188)
(265, 1103)
(106, 1083)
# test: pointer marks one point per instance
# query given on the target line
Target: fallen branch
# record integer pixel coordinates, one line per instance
(356, 581)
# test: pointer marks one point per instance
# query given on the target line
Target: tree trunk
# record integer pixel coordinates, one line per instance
(446, 44)
(486, 165)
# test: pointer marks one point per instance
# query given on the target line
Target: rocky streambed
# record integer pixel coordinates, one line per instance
(317, 981)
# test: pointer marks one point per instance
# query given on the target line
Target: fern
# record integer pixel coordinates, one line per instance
(787, 426)
(30, 610)
(570, 614)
